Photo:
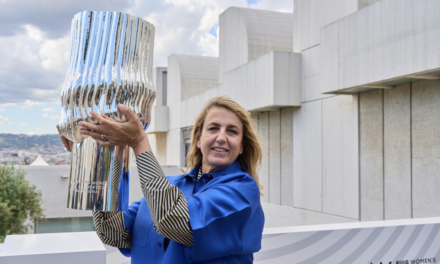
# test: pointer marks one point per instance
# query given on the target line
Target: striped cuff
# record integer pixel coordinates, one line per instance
(115, 185)
(110, 228)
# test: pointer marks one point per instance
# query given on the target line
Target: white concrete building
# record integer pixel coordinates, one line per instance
(346, 98)
(345, 95)
(53, 182)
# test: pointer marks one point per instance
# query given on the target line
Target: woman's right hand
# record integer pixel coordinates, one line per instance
(130, 132)
(67, 143)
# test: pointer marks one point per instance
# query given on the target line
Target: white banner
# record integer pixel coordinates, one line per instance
(412, 241)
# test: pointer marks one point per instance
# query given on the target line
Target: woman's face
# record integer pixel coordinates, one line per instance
(221, 139)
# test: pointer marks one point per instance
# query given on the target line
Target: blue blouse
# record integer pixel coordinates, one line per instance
(225, 215)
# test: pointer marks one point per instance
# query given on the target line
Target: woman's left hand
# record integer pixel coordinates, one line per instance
(129, 132)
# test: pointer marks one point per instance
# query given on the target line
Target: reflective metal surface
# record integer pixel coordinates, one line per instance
(111, 59)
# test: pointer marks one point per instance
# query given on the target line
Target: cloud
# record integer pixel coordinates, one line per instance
(38, 128)
(24, 104)
(52, 18)
(2, 109)
(4, 120)
(23, 124)
(31, 133)
(23, 72)
(51, 117)
(48, 109)
(35, 38)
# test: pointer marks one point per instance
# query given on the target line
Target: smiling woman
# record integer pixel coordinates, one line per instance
(225, 125)
(211, 214)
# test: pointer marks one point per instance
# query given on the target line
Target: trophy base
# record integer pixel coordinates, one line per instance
(93, 183)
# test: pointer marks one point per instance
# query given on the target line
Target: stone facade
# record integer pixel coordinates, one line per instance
(345, 98)
(346, 101)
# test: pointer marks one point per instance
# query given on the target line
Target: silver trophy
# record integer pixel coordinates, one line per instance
(111, 60)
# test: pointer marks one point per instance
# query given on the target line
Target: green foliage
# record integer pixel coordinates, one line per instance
(19, 201)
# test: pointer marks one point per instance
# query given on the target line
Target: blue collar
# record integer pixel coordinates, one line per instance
(235, 166)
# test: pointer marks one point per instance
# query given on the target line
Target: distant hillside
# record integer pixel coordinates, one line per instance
(22, 141)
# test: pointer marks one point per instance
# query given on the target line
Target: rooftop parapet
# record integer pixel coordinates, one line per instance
(311, 15)
(246, 34)
(378, 49)
(190, 75)
(270, 82)
(159, 110)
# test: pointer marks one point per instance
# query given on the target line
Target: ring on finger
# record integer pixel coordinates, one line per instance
(104, 137)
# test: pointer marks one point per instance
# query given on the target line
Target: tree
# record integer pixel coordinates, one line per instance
(19, 201)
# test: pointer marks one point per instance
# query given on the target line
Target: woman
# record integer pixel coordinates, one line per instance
(211, 214)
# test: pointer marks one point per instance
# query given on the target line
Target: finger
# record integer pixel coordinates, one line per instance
(66, 143)
(97, 117)
(88, 126)
(127, 112)
(111, 119)
(93, 134)
(106, 117)
(98, 138)
(64, 140)
(58, 128)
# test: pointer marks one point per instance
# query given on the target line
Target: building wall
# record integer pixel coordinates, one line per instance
(331, 158)
(400, 151)
(247, 34)
(365, 3)
(326, 126)
(159, 85)
(379, 44)
(326, 156)
(54, 190)
(158, 143)
(275, 129)
(190, 75)
(425, 128)
(311, 15)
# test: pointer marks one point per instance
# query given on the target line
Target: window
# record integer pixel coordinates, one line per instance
(164, 88)
(186, 144)
(61, 225)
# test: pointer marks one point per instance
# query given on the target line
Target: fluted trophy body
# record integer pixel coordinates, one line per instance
(111, 59)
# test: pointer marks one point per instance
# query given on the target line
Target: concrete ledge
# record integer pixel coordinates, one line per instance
(159, 119)
(283, 216)
(378, 49)
(66, 248)
(189, 75)
(54, 189)
(247, 34)
(270, 82)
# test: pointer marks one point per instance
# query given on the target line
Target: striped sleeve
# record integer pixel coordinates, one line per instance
(116, 176)
(167, 204)
(110, 228)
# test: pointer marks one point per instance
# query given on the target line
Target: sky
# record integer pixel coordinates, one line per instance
(35, 42)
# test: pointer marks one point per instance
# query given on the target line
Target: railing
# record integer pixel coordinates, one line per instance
(397, 241)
